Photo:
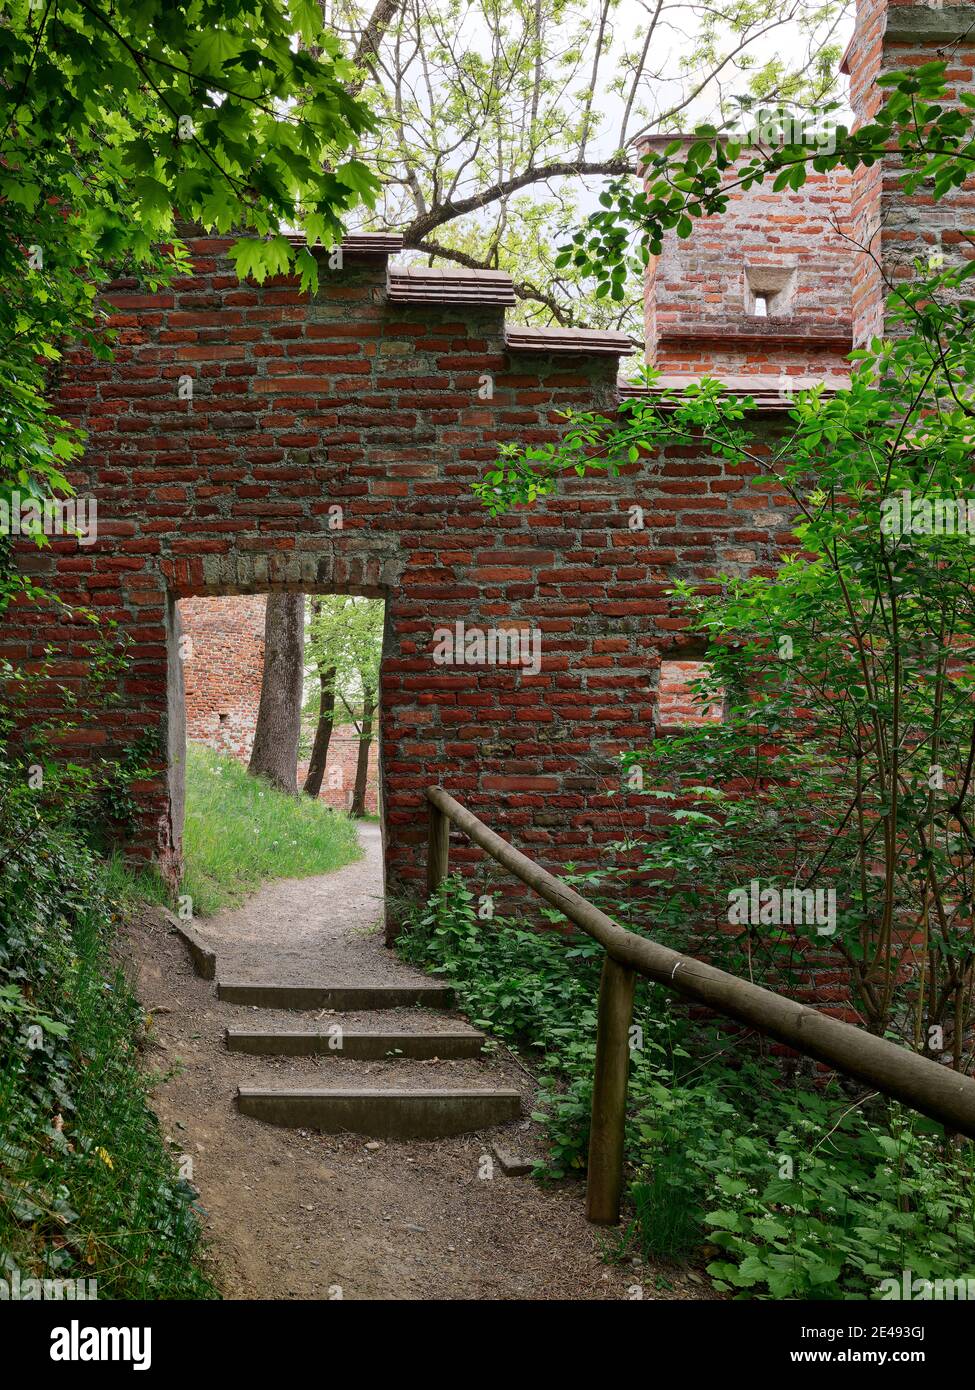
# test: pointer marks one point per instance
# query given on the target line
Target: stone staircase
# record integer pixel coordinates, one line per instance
(407, 1106)
(325, 1029)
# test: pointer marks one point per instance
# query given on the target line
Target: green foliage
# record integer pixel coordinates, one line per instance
(39, 714)
(88, 1188)
(811, 1200)
(785, 1188)
(132, 886)
(114, 122)
(345, 636)
(846, 761)
(694, 177)
(793, 1189)
(240, 832)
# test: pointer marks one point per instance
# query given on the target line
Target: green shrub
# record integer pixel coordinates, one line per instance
(812, 1200)
(784, 1186)
(88, 1188)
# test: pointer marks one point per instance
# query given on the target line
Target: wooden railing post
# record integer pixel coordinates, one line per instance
(605, 1182)
(438, 847)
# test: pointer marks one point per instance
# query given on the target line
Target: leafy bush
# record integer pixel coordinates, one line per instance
(88, 1188)
(786, 1187)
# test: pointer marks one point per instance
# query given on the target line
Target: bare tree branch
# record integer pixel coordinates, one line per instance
(504, 119)
(572, 168)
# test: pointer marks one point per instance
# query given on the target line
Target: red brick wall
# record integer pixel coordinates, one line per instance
(789, 245)
(863, 62)
(223, 663)
(678, 705)
(897, 229)
(349, 398)
(339, 780)
(917, 227)
(845, 240)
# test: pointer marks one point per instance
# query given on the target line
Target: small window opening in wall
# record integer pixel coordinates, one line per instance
(769, 290)
(679, 706)
(223, 716)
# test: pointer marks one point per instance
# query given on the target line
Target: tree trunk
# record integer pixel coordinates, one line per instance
(275, 752)
(323, 731)
(362, 760)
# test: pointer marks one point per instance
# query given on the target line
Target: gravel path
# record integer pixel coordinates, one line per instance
(293, 1214)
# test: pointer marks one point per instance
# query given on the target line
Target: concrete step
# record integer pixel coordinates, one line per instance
(345, 998)
(382, 1114)
(355, 1044)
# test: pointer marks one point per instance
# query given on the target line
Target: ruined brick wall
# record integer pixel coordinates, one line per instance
(329, 445)
(787, 252)
(864, 62)
(830, 252)
(339, 780)
(388, 407)
(917, 227)
(223, 642)
(897, 230)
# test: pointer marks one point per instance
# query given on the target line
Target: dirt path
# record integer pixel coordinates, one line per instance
(297, 1214)
(298, 929)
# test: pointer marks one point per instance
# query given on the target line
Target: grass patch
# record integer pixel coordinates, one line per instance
(240, 832)
(131, 887)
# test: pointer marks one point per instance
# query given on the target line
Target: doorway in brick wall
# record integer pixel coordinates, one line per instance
(242, 819)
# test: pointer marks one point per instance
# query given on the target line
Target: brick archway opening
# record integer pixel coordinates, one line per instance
(369, 572)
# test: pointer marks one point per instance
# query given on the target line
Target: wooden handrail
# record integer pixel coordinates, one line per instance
(918, 1082)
